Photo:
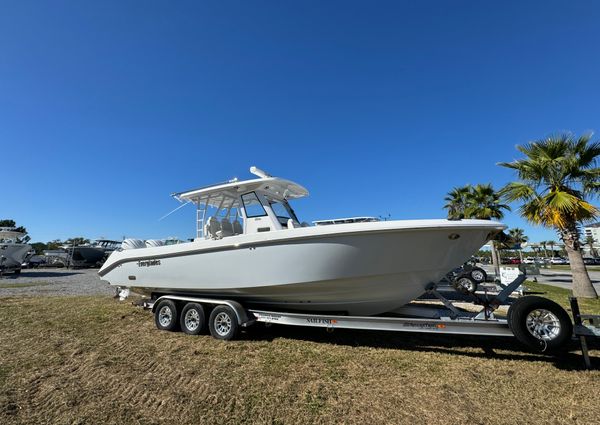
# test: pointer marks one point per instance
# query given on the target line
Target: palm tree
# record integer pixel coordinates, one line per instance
(551, 244)
(556, 179)
(480, 201)
(457, 201)
(12, 224)
(77, 241)
(484, 203)
(590, 241)
(537, 250)
(517, 237)
(563, 251)
(543, 244)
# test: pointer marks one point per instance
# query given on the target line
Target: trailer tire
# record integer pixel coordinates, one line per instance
(166, 316)
(193, 319)
(223, 323)
(539, 323)
(478, 275)
(465, 285)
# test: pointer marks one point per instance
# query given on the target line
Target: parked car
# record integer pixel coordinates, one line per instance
(467, 277)
(558, 261)
(529, 260)
(511, 260)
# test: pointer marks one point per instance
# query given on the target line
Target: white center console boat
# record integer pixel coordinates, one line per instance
(251, 247)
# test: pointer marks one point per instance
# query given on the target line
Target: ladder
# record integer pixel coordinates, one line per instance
(201, 216)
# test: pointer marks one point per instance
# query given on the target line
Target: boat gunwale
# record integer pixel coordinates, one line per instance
(291, 238)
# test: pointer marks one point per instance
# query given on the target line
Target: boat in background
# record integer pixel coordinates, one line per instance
(251, 247)
(92, 254)
(13, 250)
(55, 258)
(84, 256)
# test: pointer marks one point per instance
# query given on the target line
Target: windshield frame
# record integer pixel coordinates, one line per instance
(288, 208)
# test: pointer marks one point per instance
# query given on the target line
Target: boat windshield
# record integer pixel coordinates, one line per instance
(253, 206)
(283, 211)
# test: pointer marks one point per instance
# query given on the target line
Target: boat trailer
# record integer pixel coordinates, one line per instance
(537, 322)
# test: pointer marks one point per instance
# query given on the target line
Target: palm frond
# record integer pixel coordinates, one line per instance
(517, 191)
(556, 176)
(535, 212)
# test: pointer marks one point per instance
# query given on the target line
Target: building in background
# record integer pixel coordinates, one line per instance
(592, 230)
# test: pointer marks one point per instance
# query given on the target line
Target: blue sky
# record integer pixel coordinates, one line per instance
(376, 107)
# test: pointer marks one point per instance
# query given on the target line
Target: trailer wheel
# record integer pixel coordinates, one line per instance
(165, 316)
(478, 275)
(223, 323)
(539, 323)
(192, 320)
(465, 285)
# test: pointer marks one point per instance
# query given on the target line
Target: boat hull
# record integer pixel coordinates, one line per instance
(86, 256)
(365, 272)
(12, 255)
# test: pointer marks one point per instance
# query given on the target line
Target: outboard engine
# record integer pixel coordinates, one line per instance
(132, 244)
(154, 242)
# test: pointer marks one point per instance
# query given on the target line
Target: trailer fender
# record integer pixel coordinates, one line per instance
(242, 315)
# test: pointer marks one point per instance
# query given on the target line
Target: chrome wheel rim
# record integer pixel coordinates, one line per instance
(222, 324)
(192, 320)
(466, 284)
(543, 324)
(477, 275)
(165, 316)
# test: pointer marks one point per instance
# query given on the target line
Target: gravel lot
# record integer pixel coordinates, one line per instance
(54, 282)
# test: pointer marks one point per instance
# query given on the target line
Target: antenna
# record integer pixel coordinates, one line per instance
(181, 206)
(260, 173)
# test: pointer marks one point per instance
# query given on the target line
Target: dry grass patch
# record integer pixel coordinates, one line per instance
(95, 360)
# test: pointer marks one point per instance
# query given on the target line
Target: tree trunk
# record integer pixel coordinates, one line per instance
(495, 259)
(582, 285)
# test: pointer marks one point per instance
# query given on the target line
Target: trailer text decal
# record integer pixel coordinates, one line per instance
(423, 326)
(322, 321)
(148, 263)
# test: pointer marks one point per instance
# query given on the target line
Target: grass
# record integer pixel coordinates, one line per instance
(561, 296)
(95, 360)
(567, 267)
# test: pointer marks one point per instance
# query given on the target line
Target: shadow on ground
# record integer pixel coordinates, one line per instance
(561, 277)
(503, 348)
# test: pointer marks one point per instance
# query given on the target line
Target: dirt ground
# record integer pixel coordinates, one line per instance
(93, 360)
(54, 282)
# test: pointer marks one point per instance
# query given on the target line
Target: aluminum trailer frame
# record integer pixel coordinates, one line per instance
(444, 325)
(444, 321)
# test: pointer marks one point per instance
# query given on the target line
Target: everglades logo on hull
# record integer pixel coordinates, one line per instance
(148, 263)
